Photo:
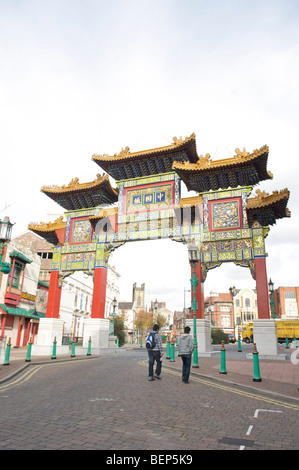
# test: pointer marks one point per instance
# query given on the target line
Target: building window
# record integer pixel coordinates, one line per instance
(225, 321)
(237, 302)
(247, 317)
(16, 275)
(224, 308)
(290, 295)
(45, 254)
(247, 302)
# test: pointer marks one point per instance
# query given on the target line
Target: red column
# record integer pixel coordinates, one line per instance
(34, 328)
(54, 296)
(198, 290)
(26, 332)
(262, 288)
(99, 293)
(3, 323)
(20, 328)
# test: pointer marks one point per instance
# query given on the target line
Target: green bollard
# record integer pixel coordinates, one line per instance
(239, 344)
(73, 349)
(287, 342)
(141, 342)
(7, 353)
(28, 357)
(168, 348)
(195, 353)
(117, 343)
(256, 367)
(172, 358)
(54, 349)
(294, 342)
(89, 347)
(222, 362)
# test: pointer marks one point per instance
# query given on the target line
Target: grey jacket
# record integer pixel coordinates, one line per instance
(186, 344)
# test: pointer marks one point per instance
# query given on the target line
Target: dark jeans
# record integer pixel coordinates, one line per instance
(152, 357)
(186, 358)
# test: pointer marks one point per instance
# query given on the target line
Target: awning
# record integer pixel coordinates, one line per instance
(43, 284)
(17, 254)
(22, 312)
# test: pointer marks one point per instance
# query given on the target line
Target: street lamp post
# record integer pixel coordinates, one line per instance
(156, 310)
(184, 311)
(114, 304)
(193, 259)
(233, 293)
(271, 291)
(5, 237)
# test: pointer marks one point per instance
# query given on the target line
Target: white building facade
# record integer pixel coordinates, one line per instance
(18, 293)
(76, 300)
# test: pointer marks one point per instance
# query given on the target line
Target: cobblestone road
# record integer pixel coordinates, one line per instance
(108, 403)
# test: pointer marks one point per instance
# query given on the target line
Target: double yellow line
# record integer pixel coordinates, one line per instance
(23, 378)
(32, 370)
(230, 389)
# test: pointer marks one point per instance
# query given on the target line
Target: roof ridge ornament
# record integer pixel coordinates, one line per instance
(73, 182)
(123, 153)
(177, 141)
(261, 194)
(240, 154)
(58, 223)
(204, 161)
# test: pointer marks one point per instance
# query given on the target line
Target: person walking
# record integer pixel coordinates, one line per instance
(186, 349)
(155, 354)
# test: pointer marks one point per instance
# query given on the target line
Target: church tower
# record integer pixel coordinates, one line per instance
(138, 297)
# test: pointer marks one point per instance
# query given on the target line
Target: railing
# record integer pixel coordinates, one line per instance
(68, 339)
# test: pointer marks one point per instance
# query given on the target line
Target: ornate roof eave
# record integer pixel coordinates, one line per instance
(48, 230)
(189, 202)
(267, 208)
(100, 190)
(181, 210)
(125, 157)
(103, 214)
(205, 167)
(125, 154)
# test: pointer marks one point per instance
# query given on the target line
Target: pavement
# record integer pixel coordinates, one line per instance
(279, 378)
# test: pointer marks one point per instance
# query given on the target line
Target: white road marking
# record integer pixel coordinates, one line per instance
(268, 411)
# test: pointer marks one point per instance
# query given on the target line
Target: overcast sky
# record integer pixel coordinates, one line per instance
(83, 77)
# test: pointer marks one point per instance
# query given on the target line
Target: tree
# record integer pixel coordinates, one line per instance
(143, 321)
(161, 320)
(119, 330)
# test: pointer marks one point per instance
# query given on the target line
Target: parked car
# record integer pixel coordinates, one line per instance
(231, 338)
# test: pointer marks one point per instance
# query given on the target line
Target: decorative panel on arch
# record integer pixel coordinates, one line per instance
(81, 231)
(152, 197)
(225, 214)
(226, 234)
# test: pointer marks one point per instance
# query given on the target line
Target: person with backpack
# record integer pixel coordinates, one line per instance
(154, 348)
(186, 347)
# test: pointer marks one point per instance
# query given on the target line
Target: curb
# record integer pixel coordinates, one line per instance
(229, 382)
(21, 368)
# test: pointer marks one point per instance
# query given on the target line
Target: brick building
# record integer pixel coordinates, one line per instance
(219, 308)
(286, 301)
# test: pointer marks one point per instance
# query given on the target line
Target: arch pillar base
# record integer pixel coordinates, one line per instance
(48, 329)
(265, 337)
(203, 334)
(98, 330)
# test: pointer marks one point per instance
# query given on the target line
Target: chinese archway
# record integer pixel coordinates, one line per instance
(223, 220)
